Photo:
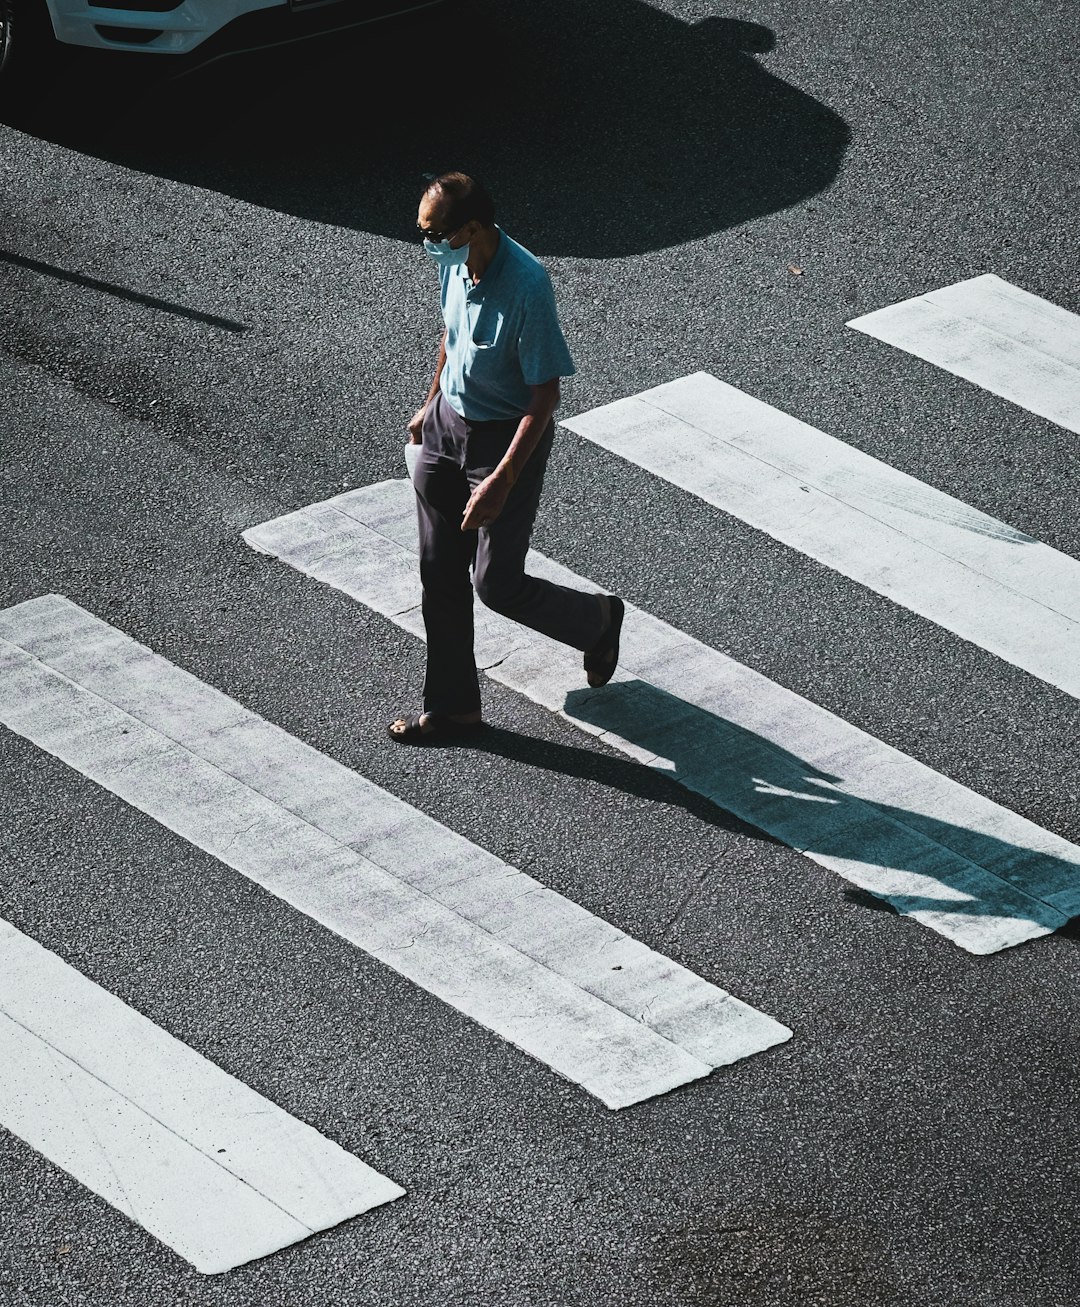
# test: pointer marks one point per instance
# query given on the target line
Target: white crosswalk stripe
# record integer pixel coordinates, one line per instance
(988, 331)
(970, 869)
(977, 577)
(600, 1008)
(208, 1166)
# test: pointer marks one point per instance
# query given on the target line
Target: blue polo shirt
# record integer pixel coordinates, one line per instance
(502, 335)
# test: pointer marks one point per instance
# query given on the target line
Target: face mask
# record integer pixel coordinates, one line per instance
(444, 255)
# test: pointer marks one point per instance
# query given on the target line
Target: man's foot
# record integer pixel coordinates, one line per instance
(601, 660)
(424, 728)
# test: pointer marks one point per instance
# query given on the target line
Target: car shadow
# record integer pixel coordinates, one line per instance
(603, 130)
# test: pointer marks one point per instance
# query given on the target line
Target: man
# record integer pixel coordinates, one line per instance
(485, 432)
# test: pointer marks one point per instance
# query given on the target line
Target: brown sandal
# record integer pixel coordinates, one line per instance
(438, 728)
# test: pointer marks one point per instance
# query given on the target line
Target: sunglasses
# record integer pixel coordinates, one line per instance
(437, 236)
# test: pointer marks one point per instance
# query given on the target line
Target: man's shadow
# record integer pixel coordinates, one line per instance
(620, 774)
(603, 130)
(910, 862)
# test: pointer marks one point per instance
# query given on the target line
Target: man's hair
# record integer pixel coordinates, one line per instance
(465, 197)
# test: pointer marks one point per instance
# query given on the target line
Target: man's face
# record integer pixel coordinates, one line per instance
(432, 221)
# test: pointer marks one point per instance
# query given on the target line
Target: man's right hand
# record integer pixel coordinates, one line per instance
(416, 426)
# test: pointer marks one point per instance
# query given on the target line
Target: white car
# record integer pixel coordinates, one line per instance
(183, 32)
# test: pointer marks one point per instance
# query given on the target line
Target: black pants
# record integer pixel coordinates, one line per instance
(455, 457)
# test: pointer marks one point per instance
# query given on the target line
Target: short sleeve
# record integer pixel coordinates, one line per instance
(542, 349)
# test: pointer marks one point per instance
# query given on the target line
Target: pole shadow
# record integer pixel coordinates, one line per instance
(913, 862)
(603, 130)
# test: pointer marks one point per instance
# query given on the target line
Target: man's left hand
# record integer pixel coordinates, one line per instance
(486, 502)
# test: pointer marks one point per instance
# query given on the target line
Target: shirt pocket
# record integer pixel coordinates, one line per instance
(488, 329)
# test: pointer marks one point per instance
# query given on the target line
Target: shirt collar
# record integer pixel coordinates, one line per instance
(491, 271)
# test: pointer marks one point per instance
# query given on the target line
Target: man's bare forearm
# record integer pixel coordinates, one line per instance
(530, 429)
(438, 370)
(416, 422)
(488, 499)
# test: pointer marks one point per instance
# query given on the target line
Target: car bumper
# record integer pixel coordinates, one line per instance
(198, 31)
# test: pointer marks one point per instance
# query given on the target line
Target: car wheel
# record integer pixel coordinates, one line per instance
(5, 34)
(26, 38)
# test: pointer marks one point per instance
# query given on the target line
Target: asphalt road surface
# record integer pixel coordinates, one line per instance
(216, 313)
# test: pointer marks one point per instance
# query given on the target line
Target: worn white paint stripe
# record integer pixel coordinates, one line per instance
(599, 1007)
(970, 869)
(208, 1166)
(991, 332)
(977, 577)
